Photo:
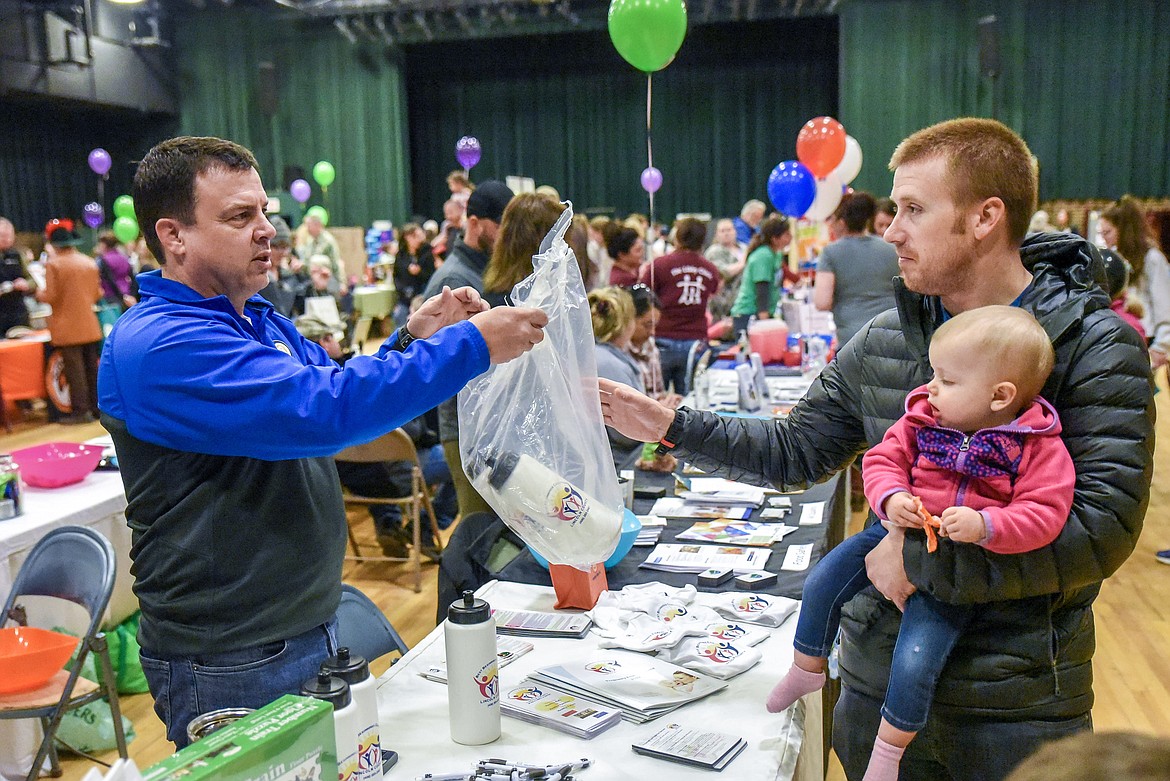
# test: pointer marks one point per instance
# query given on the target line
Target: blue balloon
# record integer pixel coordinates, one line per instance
(792, 188)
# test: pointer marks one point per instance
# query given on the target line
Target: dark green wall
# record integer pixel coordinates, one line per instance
(337, 102)
(567, 111)
(1087, 84)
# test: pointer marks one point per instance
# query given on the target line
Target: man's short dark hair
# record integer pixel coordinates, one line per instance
(689, 233)
(164, 185)
(856, 210)
(621, 242)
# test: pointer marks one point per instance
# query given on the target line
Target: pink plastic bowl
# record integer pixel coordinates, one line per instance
(55, 464)
(30, 657)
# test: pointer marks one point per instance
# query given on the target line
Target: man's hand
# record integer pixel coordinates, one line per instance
(902, 510)
(20, 284)
(637, 416)
(886, 571)
(962, 524)
(449, 306)
(510, 331)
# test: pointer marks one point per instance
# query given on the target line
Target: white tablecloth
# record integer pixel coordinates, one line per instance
(413, 714)
(98, 502)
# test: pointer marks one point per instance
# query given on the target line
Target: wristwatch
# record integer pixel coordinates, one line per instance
(401, 339)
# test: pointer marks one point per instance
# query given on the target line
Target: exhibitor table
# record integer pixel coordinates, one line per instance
(414, 715)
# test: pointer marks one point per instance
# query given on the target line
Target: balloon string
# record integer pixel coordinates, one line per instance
(650, 164)
(649, 143)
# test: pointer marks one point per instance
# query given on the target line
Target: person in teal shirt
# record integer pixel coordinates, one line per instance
(758, 292)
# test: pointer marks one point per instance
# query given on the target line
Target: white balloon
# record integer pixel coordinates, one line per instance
(829, 192)
(850, 165)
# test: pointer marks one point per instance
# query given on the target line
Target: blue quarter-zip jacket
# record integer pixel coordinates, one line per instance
(225, 427)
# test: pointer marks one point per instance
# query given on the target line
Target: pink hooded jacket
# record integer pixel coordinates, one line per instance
(1019, 476)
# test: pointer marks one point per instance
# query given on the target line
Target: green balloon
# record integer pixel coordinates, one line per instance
(324, 173)
(647, 33)
(124, 206)
(318, 212)
(125, 228)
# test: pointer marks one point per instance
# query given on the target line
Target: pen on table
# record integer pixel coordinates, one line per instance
(577, 764)
(446, 777)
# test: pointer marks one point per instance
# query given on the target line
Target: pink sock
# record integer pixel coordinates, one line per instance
(796, 683)
(883, 762)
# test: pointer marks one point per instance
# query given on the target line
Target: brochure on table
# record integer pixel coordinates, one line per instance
(413, 712)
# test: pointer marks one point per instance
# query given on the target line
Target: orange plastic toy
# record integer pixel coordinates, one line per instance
(929, 524)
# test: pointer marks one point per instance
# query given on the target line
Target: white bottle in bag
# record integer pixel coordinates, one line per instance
(577, 522)
(336, 691)
(355, 671)
(473, 681)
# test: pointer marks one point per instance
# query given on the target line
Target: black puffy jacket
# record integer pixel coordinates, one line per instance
(1028, 653)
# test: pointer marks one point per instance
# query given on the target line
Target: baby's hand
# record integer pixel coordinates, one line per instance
(962, 524)
(902, 510)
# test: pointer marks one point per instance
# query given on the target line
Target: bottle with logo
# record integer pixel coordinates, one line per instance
(11, 503)
(473, 684)
(355, 671)
(336, 692)
(568, 523)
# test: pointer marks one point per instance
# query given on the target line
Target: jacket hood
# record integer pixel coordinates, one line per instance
(1039, 418)
(1068, 275)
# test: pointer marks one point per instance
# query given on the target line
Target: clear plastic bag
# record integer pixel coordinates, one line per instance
(530, 431)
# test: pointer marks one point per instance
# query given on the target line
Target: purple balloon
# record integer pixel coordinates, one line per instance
(93, 214)
(300, 190)
(100, 162)
(651, 179)
(467, 151)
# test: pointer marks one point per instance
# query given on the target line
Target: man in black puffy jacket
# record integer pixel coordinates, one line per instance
(1022, 673)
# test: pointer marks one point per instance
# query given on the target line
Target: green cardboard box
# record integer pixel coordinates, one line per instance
(290, 739)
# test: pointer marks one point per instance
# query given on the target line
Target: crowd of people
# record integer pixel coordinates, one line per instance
(998, 581)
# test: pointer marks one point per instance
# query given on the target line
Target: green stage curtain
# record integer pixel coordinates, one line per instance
(337, 102)
(1086, 84)
(567, 111)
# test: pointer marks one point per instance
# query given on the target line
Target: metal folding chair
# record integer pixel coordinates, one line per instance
(394, 446)
(77, 564)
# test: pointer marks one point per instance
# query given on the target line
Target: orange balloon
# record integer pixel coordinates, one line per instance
(820, 145)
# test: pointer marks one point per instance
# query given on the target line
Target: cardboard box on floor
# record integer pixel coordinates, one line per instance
(290, 739)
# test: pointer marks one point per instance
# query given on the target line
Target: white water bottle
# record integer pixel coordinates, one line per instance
(473, 682)
(355, 671)
(336, 692)
(572, 527)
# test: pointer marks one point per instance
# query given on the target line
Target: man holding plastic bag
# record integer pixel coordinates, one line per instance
(226, 421)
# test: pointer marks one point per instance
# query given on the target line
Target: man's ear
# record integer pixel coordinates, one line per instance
(169, 232)
(1003, 396)
(990, 213)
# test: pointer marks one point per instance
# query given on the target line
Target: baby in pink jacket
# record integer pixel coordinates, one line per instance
(981, 450)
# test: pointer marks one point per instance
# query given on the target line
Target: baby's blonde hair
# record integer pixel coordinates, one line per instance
(1008, 337)
(612, 309)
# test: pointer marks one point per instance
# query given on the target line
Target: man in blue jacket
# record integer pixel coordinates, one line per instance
(225, 421)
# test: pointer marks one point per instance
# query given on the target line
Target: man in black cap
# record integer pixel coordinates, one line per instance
(464, 267)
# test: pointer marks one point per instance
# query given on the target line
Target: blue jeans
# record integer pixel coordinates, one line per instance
(184, 688)
(673, 353)
(947, 749)
(925, 640)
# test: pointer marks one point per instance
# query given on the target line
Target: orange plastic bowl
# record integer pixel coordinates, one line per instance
(55, 464)
(30, 657)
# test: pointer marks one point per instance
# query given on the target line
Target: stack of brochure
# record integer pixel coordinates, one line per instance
(675, 507)
(736, 532)
(716, 490)
(508, 650)
(668, 557)
(643, 688)
(533, 623)
(539, 703)
(675, 743)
